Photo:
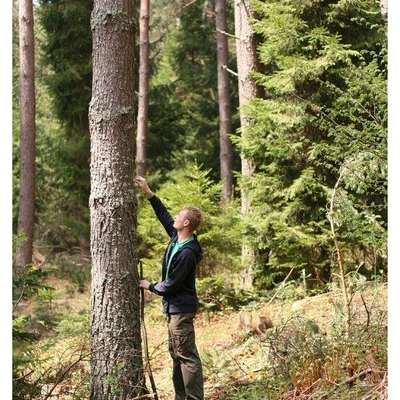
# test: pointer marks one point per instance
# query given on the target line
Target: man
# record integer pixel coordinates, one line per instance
(178, 292)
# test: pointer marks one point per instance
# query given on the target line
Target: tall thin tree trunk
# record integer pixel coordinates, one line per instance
(116, 356)
(247, 62)
(225, 114)
(342, 272)
(144, 76)
(384, 8)
(27, 134)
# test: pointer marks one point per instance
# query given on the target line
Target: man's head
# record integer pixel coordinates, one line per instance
(195, 217)
(189, 217)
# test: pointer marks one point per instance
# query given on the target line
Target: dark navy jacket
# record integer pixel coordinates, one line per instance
(179, 290)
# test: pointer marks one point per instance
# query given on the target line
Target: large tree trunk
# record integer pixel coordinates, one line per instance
(144, 73)
(225, 115)
(247, 62)
(27, 134)
(116, 357)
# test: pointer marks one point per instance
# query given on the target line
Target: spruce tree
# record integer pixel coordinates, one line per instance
(66, 56)
(325, 72)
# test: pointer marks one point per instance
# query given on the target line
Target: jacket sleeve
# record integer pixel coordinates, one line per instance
(163, 215)
(183, 265)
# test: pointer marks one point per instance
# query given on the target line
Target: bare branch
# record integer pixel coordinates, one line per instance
(20, 297)
(145, 396)
(228, 34)
(63, 375)
(230, 71)
(281, 286)
(366, 310)
(167, 25)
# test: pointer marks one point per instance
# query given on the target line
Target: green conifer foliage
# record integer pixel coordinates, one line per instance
(324, 116)
(66, 62)
(68, 51)
(184, 91)
(218, 234)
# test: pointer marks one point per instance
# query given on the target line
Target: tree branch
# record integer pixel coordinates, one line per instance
(228, 34)
(230, 71)
(280, 286)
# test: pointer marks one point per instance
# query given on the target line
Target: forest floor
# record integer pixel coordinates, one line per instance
(234, 351)
(234, 354)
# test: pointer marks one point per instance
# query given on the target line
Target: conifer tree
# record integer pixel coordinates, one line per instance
(225, 113)
(247, 64)
(144, 78)
(27, 131)
(116, 357)
(66, 53)
(191, 65)
(325, 71)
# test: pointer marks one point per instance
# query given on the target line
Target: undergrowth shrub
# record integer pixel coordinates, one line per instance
(310, 362)
(50, 336)
(27, 283)
(73, 268)
(219, 235)
(217, 293)
(74, 325)
(304, 358)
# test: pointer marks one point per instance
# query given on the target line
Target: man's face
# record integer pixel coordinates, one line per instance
(181, 221)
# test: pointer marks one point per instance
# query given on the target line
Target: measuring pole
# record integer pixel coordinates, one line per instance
(144, 337)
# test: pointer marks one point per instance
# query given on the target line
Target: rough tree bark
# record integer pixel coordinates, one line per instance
(27, 133)
(225, 114)
(116, 357)
(247, 62)
(144, 76)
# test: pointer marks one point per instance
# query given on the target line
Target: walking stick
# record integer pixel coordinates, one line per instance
(144, 336)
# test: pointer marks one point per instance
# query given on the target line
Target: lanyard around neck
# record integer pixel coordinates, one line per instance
(175, 248)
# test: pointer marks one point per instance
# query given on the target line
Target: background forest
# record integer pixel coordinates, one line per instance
(308, 219)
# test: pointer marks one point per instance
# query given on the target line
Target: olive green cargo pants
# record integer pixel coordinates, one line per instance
(187, 371)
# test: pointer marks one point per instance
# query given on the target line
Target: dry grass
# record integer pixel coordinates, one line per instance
(233, 355)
